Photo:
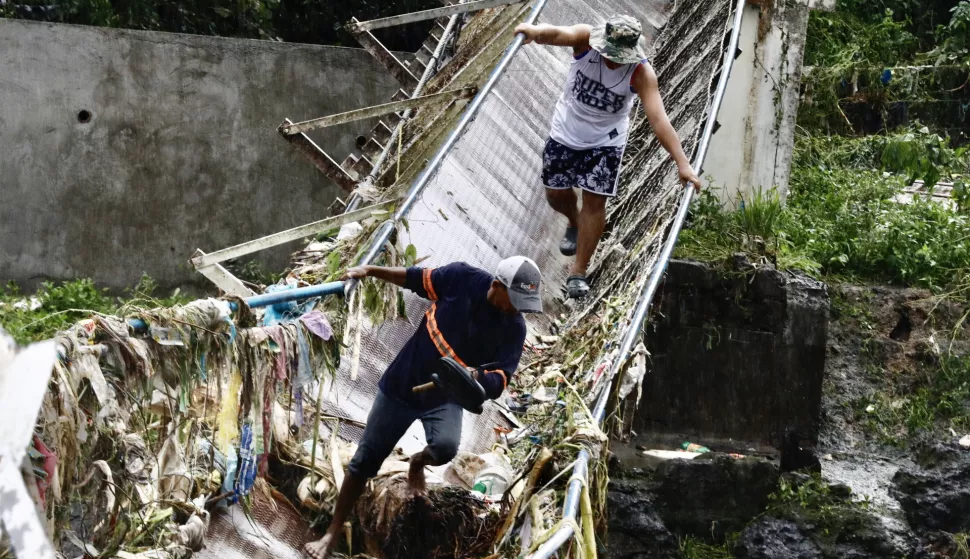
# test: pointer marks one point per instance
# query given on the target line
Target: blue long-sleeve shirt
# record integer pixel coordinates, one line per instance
(460, 324)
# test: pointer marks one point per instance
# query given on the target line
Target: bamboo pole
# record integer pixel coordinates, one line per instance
(545, 455)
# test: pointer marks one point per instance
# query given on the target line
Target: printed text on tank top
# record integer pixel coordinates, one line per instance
(594, 108)
(593, 93)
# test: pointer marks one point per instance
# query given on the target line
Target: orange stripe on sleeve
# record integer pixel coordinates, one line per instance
(428, 285)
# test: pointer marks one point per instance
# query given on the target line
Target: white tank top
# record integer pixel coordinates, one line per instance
(594, 108)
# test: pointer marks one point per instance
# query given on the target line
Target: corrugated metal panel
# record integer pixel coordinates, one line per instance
(487, 202)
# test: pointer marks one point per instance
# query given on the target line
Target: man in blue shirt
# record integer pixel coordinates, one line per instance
(476, 319)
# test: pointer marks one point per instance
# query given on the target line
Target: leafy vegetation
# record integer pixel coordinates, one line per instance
(300, 21)
(942, 399)
(694, 548)
(922, 18)
(841, 219)
(253, 272)
(829, 512)
(860, 53)
(55, 307)
(953, 39)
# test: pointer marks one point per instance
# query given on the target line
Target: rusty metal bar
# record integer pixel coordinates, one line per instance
(360, 26)
(386, 58)
(377, 110)
(330, 168)
(201, 260)
(221, 277)
(429, 70)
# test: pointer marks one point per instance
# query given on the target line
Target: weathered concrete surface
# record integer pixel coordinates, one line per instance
(635, 530)
(753, 148)
(707, 498)
(736, 353)
(812, 526)
(936, 497)
(713, 495)
(179, 149)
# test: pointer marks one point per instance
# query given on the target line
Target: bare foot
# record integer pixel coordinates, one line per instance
(321, 548)
(416, 483)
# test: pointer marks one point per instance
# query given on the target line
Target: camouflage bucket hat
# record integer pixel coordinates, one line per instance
(618, 40)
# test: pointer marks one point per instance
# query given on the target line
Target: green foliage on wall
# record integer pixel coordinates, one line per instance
(876, 53)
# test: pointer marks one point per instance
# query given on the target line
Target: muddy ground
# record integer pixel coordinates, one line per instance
(888, 477)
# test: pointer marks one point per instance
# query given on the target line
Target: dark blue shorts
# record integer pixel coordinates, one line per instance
(389, 419)
(594, 170)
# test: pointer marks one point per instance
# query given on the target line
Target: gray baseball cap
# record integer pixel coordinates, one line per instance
(522, 277)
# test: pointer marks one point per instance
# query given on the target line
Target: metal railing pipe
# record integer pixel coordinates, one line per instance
(268, 299)
(570, 508)
(287, 295)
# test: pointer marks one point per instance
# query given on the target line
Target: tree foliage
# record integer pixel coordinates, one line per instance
(303, 21)
(865, 54)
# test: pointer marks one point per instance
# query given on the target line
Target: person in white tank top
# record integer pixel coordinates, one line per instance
(589, 128)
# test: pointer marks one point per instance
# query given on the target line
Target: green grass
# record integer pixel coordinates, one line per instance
(693, 548)
(940, 400)
(61, 305)
(962, 542)
(840, 220)
(830, 516)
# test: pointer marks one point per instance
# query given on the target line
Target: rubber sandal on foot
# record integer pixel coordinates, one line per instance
(577, 287)
(567, 246)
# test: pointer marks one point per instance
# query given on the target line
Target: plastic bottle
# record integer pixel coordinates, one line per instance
(693, 447)
(492, 482)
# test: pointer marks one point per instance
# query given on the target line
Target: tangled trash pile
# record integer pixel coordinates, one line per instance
(141, 434)
(154, 420)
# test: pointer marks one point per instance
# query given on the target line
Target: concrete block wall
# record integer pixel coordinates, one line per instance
(735, 354)
(121, 152)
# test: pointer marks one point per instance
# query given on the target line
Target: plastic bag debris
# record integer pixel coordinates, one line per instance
(171, 473)
(635, 373)
(350, 231)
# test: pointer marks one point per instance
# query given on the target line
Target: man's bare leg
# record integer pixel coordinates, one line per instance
(417, 486)
(564, 201)
(350, 491)
(592, 222)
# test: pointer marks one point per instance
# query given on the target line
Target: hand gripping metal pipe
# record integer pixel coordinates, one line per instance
(384, 233)
(571, 504)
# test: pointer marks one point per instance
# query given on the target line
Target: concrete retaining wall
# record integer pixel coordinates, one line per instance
(121, 152)
(735, 354)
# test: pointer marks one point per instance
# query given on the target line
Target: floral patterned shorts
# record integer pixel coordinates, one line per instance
(594, 170)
